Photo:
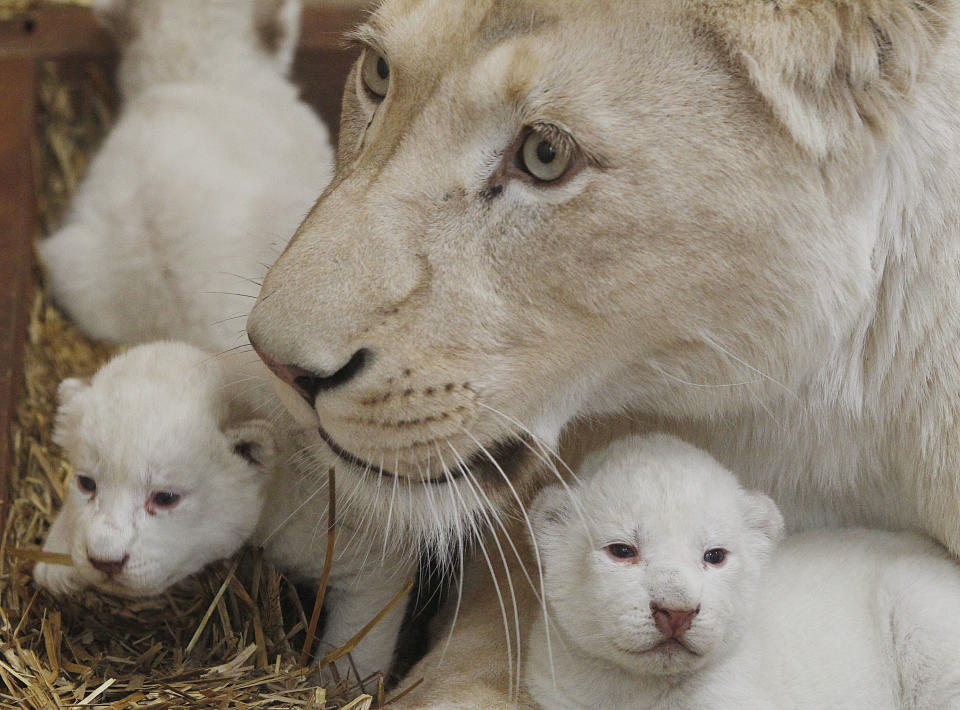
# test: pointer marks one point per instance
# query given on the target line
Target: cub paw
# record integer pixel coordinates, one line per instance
(58, 579)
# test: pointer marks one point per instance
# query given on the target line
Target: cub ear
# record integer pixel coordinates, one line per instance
(550, 510)
(829, 69)
(69, 411)
(763, 516)
(277, 26)
(255, 443)
(116, 16)
(69, 388)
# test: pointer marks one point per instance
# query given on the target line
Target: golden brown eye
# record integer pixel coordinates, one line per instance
(543, 158)
(375, 73)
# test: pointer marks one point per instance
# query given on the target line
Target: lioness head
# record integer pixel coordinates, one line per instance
(549, 209)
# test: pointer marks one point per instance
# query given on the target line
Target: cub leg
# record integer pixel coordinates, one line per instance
(921, 602)
(59, 579)
(351, 607)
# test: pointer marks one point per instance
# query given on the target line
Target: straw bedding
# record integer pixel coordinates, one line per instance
(228, 638)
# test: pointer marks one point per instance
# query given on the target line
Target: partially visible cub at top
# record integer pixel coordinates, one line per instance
(667, 590)
(210, 168)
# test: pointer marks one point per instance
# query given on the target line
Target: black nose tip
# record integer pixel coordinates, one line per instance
(310, 384)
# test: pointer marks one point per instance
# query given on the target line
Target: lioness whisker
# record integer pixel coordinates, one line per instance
(258, 284)
(539, 593)
(227, 320)
(554, 456)
(716, 346)
(493, 576)
(296, 510)
(459, 575)
(393, 497)
(687, 383)
(490, 506)
(226, 293)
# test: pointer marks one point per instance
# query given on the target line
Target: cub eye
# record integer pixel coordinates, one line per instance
(87, 484)
(162, 500)
(543, 158)
(619, 552)
(375, 73)
(715, 557)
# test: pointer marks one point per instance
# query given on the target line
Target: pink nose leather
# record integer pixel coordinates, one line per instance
(287, 373)
(109, 567)
(672, 622)
(309, 384)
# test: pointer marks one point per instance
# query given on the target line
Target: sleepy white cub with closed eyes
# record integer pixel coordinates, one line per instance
(667, 590)
(211, 166)
(175, 469)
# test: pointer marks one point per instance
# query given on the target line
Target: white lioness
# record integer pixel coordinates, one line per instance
(671, 593)
(176, 467)
(738, 219)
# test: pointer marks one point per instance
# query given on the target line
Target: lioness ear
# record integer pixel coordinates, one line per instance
(828, 69)
(762, 515)
(277, 26)
(254, 442)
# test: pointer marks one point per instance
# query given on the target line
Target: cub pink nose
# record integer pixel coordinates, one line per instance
(672, 622)
(109, 567)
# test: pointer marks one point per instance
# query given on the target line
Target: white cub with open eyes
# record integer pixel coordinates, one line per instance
(667, 589)
(176, 467)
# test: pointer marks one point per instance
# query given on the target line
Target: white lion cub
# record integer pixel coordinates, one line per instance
(174, 470)
(667, 590)
(210, 168)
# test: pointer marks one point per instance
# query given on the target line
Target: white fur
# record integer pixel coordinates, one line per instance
(169, 417)
(854, 619)
(211, 166)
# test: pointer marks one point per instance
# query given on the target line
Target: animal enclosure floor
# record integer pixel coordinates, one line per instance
(227, 638)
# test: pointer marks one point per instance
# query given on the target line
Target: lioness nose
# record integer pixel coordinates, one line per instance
(309, 384)
(109, 567)
(672, 622)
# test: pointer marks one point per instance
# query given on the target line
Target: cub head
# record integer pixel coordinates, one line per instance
(653, 563)
(164, 483)
(184, 39)
(550, 209)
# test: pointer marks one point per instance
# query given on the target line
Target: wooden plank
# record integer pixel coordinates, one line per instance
(49, 32)
(73, 34)
(18, 228)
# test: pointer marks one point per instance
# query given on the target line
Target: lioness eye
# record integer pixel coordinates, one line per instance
(620, 552)
(543, 159)
(715, 556)
(162, 500)
(87, 484)
(375, 73)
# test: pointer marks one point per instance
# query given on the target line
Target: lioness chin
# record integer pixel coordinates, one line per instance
(735, 220)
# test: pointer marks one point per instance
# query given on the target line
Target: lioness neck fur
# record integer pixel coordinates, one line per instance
(756, 247)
